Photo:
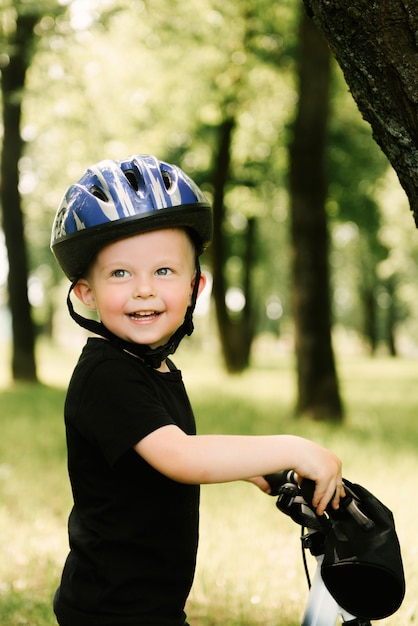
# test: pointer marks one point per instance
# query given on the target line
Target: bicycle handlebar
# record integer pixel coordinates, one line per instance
(279, 480)
(293, 495)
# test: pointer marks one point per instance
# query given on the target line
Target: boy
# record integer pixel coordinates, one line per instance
(128, 235)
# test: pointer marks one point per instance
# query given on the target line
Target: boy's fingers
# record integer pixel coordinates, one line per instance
(322, 499)
(339, 493)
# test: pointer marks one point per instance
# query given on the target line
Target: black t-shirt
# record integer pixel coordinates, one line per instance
(133, 532)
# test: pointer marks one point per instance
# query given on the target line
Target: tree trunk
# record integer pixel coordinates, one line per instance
(376, 45)
(318, 393)
(236, 335)
(12, 85)
(369, 318)
(391, 318)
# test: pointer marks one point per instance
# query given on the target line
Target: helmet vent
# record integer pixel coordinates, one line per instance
(99, 193)
(168, 181)
(132, 178)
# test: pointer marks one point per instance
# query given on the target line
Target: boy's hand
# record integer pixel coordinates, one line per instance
(325, 469)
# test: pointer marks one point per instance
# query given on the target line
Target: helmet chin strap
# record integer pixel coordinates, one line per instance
(152, 357)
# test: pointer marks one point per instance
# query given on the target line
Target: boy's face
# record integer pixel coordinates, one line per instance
(142, 286)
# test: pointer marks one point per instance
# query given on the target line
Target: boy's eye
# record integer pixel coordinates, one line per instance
(119, 273)
(163, 271)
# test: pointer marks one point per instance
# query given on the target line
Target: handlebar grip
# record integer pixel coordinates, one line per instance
(278, 479)
(307, 488)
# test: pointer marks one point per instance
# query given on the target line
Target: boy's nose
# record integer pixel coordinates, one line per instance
(143, 289)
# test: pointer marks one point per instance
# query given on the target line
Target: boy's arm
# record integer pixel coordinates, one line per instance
(205, 459)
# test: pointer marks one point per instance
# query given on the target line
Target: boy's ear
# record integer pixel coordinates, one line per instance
(202, 284)
(85, 294)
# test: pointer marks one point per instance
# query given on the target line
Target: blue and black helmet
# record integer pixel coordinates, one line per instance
(117, 199)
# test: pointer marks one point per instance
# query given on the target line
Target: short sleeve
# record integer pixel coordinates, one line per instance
(119, 405)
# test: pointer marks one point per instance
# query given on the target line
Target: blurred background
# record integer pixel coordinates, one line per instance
(311, 304)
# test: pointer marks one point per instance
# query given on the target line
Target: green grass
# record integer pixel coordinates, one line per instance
(249, 567)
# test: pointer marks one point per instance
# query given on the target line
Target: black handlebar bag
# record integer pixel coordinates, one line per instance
(362, 566)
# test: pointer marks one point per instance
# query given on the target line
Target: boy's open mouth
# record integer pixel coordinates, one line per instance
(142, 315)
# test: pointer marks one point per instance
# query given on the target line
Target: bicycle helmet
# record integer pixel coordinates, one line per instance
(117, 199)
(114, 200)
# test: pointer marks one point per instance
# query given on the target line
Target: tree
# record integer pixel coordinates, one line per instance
(236, 334)
(22, 25)
(318, 393)
(20, 52)
(375, 44)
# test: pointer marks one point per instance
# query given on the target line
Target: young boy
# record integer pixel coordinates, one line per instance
(128, 235)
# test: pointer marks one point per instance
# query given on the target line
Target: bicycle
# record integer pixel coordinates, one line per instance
(338, 588)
